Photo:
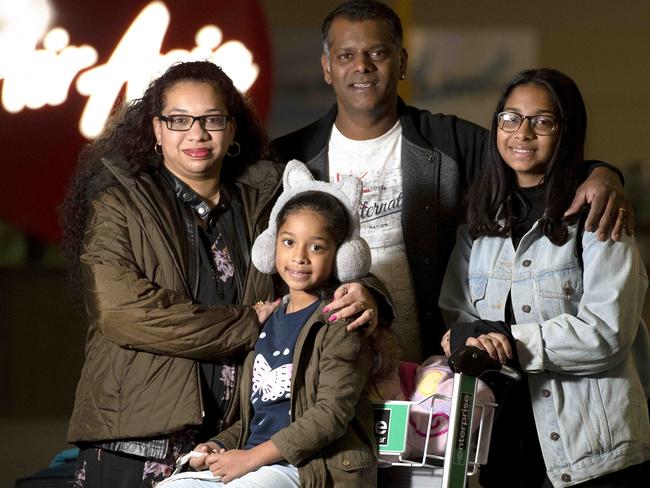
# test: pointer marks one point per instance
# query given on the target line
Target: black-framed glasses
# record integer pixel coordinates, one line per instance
(542, 125)
(185, 122)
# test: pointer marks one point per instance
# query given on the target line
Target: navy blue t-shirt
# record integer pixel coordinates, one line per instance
(272, 369)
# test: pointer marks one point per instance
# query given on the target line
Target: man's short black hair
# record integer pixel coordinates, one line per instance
(360, 10)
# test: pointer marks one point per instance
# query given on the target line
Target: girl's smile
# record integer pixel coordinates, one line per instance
(304, 256)
(523, 150)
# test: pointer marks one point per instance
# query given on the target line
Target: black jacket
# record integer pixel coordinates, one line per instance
(441, 154)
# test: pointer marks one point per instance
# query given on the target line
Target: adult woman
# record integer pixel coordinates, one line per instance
(158, 226)
(526, 284)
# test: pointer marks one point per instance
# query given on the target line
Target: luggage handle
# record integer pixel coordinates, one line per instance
(473, 361)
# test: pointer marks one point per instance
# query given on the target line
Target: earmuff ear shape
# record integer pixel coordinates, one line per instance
(263, 252)
(351, 187)
(352, 260)
(295, 174)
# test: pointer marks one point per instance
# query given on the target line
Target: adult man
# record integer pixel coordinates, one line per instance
(415, 165)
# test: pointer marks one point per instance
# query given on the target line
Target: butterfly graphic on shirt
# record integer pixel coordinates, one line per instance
(273, 383)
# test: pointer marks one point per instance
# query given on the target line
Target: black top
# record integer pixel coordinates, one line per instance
(273, 371)
(222, 263)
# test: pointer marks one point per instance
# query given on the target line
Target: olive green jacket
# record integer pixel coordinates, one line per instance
(330, 439)
(141, 378)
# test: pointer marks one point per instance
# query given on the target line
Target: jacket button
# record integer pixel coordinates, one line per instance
(526, 263)
(347, 462)
(565, 477)
(427, 260)
(525, 308)
(568, 289)
(427, 208)
(430, 157)
(546, 393)
(554, 436)
(187, 196)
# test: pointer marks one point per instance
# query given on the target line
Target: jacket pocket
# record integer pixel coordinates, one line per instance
(351, 460)
(477, 289)
(352, 468)
(559, 292)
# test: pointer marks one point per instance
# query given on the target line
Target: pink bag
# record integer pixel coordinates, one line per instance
(435, 377)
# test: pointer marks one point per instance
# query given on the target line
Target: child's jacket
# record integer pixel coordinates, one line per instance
(331, 438)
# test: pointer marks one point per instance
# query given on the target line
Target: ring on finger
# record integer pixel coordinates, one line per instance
(363, 305)
(622, 209)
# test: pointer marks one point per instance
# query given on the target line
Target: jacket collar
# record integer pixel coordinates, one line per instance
(318, 134)
(184, 193)
(410, 127)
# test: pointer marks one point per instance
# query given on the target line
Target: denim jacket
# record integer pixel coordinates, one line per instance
(579, 336)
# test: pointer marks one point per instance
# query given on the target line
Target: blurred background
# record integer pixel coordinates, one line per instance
(64, 64)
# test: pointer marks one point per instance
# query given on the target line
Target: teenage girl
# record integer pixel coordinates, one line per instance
(530, 287)
(305, 419)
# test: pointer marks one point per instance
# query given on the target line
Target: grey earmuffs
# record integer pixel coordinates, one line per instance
(352, 259)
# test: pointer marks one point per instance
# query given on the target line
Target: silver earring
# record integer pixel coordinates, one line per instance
(237, 149)
(157, 148)
(402, 76)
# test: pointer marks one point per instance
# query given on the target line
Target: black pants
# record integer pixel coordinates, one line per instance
(99, 468)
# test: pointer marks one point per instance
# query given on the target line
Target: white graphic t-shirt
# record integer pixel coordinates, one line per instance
(378, 163)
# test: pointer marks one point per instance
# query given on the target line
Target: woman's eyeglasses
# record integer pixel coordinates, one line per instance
(185, 122)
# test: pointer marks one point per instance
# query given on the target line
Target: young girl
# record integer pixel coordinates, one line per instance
(527, 285)
(305, 420)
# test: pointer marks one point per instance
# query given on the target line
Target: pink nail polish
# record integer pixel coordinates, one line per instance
(326, 309)
(332, 318)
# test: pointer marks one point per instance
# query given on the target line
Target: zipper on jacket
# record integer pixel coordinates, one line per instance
(191, 234)
(304, 335)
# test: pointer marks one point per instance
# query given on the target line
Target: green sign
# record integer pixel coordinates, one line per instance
(464, 409)
(391, 421)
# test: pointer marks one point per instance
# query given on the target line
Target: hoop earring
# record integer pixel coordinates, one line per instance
(157, 148)
(237, 147)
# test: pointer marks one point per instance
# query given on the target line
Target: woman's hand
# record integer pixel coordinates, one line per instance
(265, 309)
(495, 344)
(354, 299)
(198, 462)
(608, 206)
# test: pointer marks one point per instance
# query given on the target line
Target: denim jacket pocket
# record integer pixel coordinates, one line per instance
(477, 289)
(559, 291)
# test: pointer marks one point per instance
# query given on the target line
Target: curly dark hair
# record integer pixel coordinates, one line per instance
(129, 133)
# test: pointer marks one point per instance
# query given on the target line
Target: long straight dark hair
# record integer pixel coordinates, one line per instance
(489, 199)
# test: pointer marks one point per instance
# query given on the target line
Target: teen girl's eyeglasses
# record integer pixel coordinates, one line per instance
(542, 125)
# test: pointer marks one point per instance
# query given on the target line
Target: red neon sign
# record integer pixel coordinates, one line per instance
(42, 126)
